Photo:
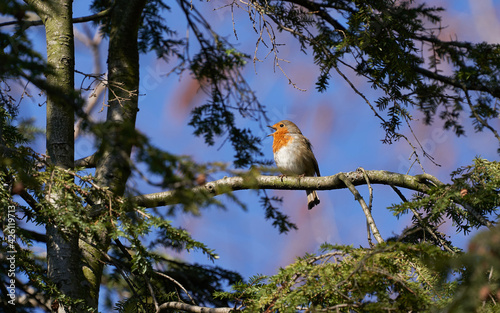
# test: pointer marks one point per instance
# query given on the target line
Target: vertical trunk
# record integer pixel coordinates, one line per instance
(62, 251)
(74, 265)
(123, 73)
(113, 167)
(62, 254)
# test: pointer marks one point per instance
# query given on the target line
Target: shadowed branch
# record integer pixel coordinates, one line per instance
(76, 20)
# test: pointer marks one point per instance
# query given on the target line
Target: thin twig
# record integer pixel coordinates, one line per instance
(115, 263)
(339, 306)
(427, 155)
(92, 42)
(370, 189)
(366, 210)
(472, 211)
(325, 256)
(265, 26)
(479, 118)
(82, 19)
(489, 280)
(177, 283)
(422, 223)
(151, 291)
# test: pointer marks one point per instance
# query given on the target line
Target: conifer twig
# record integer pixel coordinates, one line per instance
(421, 222)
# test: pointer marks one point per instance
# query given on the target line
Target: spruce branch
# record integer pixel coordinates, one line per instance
(478, 117)
(423, 224)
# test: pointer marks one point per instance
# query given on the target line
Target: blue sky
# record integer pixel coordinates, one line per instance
(341, 127)
(345, 136)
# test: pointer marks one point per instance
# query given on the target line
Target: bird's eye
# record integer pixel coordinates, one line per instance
(281, 125)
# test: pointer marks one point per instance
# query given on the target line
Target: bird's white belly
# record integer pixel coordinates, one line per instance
(289, 160)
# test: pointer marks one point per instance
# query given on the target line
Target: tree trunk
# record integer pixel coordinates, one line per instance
(113, 168)
(63, 257)
(74, 265)
(113, 164)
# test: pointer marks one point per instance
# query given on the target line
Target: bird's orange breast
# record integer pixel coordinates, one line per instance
(281, 139)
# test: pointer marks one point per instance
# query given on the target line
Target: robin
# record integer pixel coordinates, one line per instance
(293, 155)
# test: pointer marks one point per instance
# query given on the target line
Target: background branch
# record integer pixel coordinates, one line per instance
(82, 19)
(87, 162)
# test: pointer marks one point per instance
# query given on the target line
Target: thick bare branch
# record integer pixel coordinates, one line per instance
(87, 162)
(419, 183)
(167, 306)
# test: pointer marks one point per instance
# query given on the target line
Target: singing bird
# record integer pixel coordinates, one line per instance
(293, 155)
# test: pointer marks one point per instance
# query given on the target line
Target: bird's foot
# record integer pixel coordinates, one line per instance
(281, 176)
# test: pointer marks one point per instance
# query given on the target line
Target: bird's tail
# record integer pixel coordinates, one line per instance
(312, 199)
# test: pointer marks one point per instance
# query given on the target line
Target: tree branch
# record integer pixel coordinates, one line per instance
(30, 200)
(177, 283)
(483, 122)
(165, 307)
(436, 40)
(366, 209)
(370, 202)
(318, 9)
(86, 162)
(32, 296)
(423, 224)
(82, 19)
(455, 83)
(35, 235)
(483, 220)
(420, 183)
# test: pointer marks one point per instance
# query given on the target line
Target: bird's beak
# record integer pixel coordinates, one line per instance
(274, 129)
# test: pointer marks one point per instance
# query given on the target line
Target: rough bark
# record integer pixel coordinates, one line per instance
(74, 263)
(113, 164)
(62, 244)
